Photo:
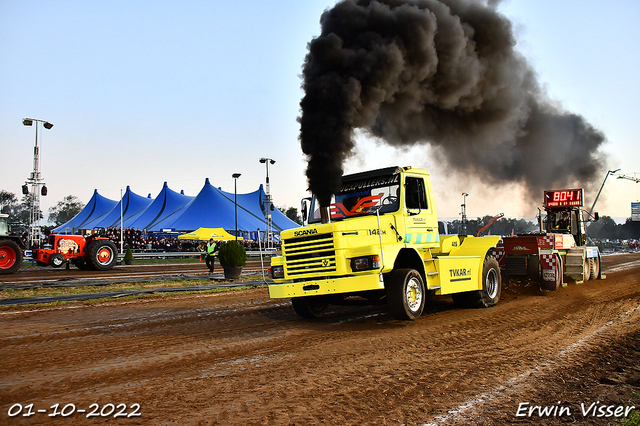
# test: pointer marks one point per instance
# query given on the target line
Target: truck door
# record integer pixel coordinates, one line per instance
(421, 222)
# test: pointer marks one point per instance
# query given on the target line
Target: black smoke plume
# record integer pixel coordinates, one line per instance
(443, 73)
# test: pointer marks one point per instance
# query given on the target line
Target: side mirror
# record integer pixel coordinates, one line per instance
(596, 216)
(304, 210)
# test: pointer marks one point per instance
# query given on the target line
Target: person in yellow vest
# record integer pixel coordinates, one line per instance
(211, 253)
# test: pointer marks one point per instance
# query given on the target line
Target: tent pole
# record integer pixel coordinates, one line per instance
(261, 261)
(121, 230)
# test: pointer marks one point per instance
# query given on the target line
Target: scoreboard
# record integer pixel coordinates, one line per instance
(564, 198)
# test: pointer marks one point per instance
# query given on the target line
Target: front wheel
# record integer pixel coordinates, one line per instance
(406, 295)
(310, 306)
(56, 260)
(10, 257)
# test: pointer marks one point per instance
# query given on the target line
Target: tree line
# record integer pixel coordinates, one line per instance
(19, 211)
(606, 228)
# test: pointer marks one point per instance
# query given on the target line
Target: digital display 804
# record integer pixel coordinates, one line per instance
(563, 198)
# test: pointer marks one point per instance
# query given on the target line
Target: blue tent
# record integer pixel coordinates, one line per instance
(131, 205)
(167, 205)
(210, 209)
(96, 208)
(254, 204)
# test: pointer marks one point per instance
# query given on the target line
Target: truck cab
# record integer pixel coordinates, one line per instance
(379, 239)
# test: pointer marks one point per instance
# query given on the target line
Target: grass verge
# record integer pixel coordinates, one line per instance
(634, 416)
(89, 289)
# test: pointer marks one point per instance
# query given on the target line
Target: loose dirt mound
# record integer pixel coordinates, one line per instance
(241, 358)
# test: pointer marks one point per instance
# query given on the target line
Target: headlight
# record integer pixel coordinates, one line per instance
(365, 263)
(276, 272)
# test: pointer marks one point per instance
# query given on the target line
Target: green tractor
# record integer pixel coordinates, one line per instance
(11, 248)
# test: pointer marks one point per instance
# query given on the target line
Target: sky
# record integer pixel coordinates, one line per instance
(142, 92)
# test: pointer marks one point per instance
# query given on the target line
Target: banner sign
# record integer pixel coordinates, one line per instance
(635, 212)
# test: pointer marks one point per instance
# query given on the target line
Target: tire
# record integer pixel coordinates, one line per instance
(491, 286)
(406, 295)
(310, 306)
(56, 260)
(102, 255)
(586, 269)
(554, 286)
(594, 266)
(10, 257)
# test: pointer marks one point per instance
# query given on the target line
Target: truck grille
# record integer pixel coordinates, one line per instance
(309, 255)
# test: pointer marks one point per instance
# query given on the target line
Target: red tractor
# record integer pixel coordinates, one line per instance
(11, 248)
(92, 252)
(560, 250)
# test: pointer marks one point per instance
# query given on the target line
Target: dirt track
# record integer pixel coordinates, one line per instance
(240, 358)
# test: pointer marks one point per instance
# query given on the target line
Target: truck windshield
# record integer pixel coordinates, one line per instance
(360, 198)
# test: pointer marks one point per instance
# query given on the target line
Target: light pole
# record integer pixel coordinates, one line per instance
(610, 172)
(36, 182)
(235, 177)
(268, 205)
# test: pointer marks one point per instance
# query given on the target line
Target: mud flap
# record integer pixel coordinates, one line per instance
(551, 272)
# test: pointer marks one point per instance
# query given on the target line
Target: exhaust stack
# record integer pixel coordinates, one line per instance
(325, 217)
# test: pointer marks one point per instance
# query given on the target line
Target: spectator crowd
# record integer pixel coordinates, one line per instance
(140, 241)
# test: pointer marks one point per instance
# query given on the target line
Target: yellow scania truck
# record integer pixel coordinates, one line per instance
(379, 240)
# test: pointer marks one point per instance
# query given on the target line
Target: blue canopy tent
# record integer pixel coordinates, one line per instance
(210, 209)
(254, 204)
(96, 208)
(167, 205)
(131, 204)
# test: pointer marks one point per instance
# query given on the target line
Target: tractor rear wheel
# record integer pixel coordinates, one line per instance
(594, 267)
(406, 295)
(10, 257)
(102, 255)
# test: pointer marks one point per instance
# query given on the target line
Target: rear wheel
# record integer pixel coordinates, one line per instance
(102, 255)
(10, 257)
(491, 287)
(310, 306)
(586, 269)
(557, 282)
(594, 267)
(56, 260)
(406, 295)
